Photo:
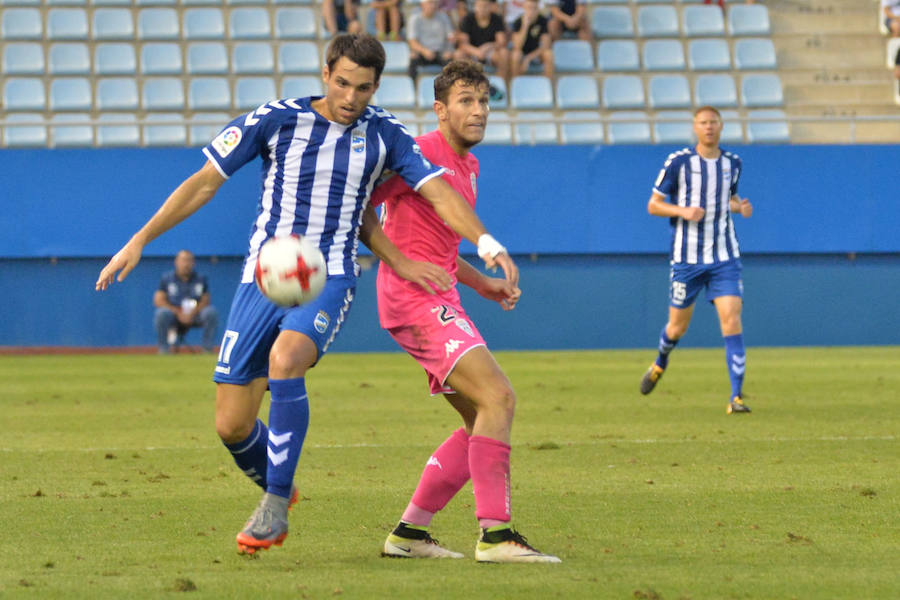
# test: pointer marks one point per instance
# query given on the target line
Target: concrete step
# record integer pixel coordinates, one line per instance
(837, 77)
(861, 17)
(832, 50)
(825, 94)
(845, 132)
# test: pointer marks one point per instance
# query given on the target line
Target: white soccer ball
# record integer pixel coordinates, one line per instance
(290, 270)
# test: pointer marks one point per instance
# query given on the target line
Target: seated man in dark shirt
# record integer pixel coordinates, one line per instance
(182, 302)
(531, 41)
(483, 38)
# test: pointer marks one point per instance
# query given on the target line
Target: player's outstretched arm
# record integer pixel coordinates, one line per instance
(492, 288)
(194, 192)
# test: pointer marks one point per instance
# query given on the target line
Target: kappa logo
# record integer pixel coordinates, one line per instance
(227, 141)
(452, 346)
(433, 461)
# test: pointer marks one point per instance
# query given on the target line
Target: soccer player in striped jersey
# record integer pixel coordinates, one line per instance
(321, 157)
(697, 190)
(436, 331)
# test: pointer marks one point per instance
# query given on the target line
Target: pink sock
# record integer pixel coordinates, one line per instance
(489, 465)
(446, 471)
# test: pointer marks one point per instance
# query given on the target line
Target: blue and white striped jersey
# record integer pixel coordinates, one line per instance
(317, 175)
(688, 179)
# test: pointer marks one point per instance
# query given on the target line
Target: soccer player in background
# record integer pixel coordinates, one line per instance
(697, 191)
(435, 330)
(321, 157)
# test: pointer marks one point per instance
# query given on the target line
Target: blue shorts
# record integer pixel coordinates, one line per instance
(254, 322)
(719, 279)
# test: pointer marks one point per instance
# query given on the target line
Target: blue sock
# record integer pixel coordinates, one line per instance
(665, 346)
(250, 454)
(288, 421)
(737, 361)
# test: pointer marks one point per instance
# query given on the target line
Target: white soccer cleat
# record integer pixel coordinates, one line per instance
(410, 542)
(507, 545)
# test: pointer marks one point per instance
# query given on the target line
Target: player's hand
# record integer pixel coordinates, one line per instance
(501, 291)
(427, 275)
(746, 209)
(693, 213)
(123, 262)
(505, 262)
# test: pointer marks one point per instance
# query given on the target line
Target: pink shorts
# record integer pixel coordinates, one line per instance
(437, 338)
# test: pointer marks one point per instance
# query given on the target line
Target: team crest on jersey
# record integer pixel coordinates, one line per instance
(472, 178)
(358, 142)
(418, 151)
(321, 321)
(227, 141)
(464, 325)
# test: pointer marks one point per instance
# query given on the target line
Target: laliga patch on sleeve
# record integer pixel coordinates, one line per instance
(227, 141)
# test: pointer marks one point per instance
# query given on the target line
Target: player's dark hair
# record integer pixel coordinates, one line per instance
(468, 72)
(709, 108)
(363, 49)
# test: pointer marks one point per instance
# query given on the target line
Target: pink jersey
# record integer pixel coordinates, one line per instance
(416, 229)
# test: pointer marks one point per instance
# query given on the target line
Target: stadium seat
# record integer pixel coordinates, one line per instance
(21, 24)
(768, 131)
(111, 2)
(709, 54)
(252, 92)
(669, 91)
(663, 55)
(408, 118)
(117, 93)
(157, 24)
(70, 93)
(635, 129)
(703, 20)
(300, 87)
(20, 93)
(617, 55)
(673, 127)
(201, 2)
(71, 130)
(657, 21)
(20, 2)
(299, 57)
(581, 127)
(252, 58)
(395, 92)
(754, 53)
(612, 22)
(534, 127)
(68, 59)
(23, 58)
(155, 2)
(113, 24)
(207, 58)
(161, 58)
(732, 128)
(115, 58)
(573, 56)
(122, 130)
(498, 130)
(397, 54)
(577, 91)
(425, 92)
(209, 93)
(30, 135)
(748, 19)
(499, 94)
(295, 23)
(531, 92)
(170, 132)
(761, 90)
(249, 23)
(163, 93)
(204, 24)
(206, 126)
(716, 90)
(623, 91)
(67, 24)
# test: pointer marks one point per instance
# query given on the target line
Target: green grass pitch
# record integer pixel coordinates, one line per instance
(114, 485)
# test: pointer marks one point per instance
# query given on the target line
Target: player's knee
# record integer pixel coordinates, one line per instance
(231, 430)
(676, 331)
(289, 359)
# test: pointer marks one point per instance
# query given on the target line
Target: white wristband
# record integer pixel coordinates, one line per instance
(488, 247)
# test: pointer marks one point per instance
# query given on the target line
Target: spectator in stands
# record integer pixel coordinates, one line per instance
(430, 37)
(388, 18)
(570, 16)
(512, 10)
(531, 41)
(482, 37)
(891, 9)
(182, 301)
(897, 68)
(341, 16)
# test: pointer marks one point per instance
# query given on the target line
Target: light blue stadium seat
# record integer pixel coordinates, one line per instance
(295, 23)
(204, 24)
(424, 92)
(157, 24)
(577, 91)
(709, 54)
(612, 22)
(395, 92)
(113, 24)
(207, 58)
(30, 135)
(657, 21)
(209, 93)
(205, 126)
(669, 131)
(635, 129)
(397, 55)
(717, 90)
(24, 93)
(663, 55)
(618, 55)
(64, 2)
(155, 2)
(767, 132)
(70, 94)
(581, 127)
(299, 57)
(531, 92)
(293, 2)
(71, 130)
(703, 20)
(69, 59)
(534, 128)
(23, 58)
(20, 2)
(252, 92)
(117, 93)
(669, 91)
(248, 23)
(161, 58)
(300, 87)
(748, 19)
(21, 24)
(500, 98)
(162, 93)
(67, 24)
(252, 58)
(732, 128)
(170, 132)
(201, 2)
(761, 90)
(754, 53)
(573, 56)
(623, 91)
(499, 129)
(111, 2)
(122, 130)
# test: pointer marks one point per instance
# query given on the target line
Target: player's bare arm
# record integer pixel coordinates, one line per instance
(658, 207)
(491, 288)
(193, 193)
(741, 205)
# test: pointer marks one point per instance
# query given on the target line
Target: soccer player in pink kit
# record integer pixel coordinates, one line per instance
(435, 330)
